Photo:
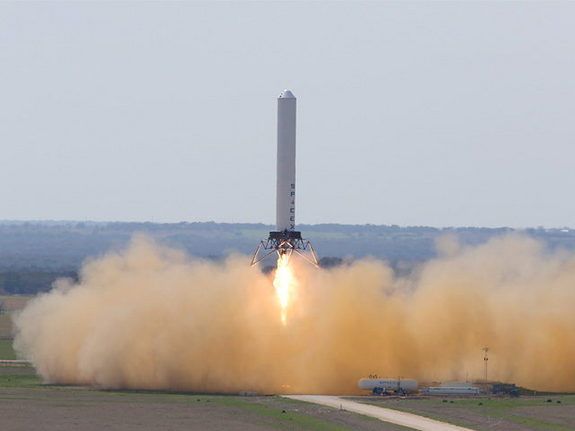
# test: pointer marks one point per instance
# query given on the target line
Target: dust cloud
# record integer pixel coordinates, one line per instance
(152, 317)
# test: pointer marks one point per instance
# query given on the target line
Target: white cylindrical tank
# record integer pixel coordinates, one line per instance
(405, 385)
(285, 192)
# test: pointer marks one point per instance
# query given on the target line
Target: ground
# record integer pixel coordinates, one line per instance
(8, 305)
(526, 413)
(25, 403)
(6, 351)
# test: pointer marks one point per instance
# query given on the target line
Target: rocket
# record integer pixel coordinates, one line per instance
(285, 240)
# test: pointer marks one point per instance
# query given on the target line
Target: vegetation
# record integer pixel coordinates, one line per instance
(26, 282)
(34, 254)
(550, 412)
(6, 350)
(282, 418)
(5, 326)
(21, 385)
(21, 377)
(9, 304)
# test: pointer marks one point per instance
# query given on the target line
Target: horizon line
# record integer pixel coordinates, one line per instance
(75, 221)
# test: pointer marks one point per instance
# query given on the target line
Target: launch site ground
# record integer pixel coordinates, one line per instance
(27, 402)
(538, 412)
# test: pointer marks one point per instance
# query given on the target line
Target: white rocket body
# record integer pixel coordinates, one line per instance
(285, 240)
(285, 192)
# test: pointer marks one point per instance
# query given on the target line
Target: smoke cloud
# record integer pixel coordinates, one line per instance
(152, 317)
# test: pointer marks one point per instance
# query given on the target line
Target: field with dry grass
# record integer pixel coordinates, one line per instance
(25, 403)
(527, 413)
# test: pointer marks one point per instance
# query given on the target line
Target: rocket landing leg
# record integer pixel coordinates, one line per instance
(285, 243)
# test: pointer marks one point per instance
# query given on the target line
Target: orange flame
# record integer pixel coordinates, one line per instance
(284, 283)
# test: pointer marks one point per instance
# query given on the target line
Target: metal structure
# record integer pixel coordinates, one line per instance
(285, 240)
(485, 359)
(451, 390)
(381, 386)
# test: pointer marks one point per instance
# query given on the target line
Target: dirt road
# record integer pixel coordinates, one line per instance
(387, 415)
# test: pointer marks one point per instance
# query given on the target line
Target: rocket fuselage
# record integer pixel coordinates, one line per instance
(285, 240)
(285, 193)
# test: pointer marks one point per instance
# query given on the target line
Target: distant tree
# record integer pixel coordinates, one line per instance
(330, 262)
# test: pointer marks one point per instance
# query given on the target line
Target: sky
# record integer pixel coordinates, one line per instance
(430, 113)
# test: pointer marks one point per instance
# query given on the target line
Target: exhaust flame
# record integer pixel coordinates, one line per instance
(284, 284)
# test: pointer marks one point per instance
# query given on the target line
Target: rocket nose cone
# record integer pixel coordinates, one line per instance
(286, 94)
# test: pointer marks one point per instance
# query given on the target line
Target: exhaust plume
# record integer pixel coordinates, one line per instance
(152, 317)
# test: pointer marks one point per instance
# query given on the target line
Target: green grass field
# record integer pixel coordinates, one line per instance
(19, 377)
(5, 325)
(6, 350)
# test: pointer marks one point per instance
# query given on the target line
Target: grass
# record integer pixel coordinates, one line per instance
(9, 304)
(24, 377)
(538, 424)
(508, 409)
(5, 325)
(14, 302)
(6, 349)
(277, 417)
(283, 419)
(274, 412)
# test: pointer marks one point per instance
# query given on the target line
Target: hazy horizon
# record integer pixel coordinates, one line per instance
(409, 113)
(103, 221)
